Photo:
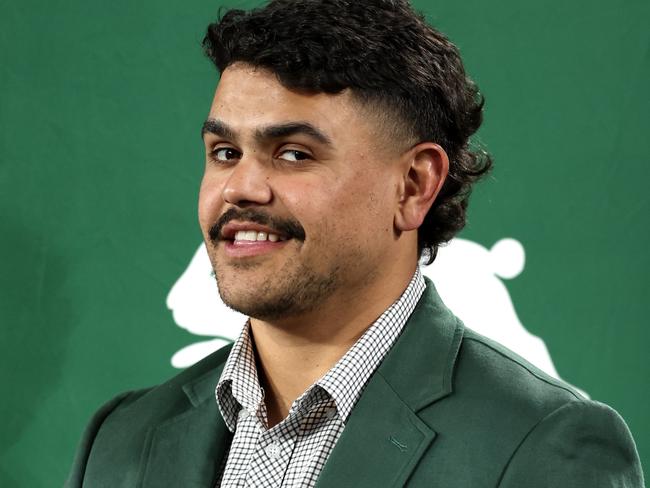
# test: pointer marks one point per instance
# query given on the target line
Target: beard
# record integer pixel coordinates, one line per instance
(288, 294)
(294, 285)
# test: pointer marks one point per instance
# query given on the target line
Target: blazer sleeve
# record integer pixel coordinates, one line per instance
(581, 444)
(76, 476)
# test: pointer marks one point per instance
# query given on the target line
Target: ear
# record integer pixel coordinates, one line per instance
(425, 169)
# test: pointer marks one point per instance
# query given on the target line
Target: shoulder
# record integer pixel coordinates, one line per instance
(584, 443)
(496, 392)
(195, 384)
(534, 429)
(501, 374)
(125, 420)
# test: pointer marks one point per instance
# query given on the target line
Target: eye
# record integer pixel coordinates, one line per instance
(293, 156)
(225, 154)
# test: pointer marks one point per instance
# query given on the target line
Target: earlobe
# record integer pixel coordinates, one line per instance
(426, 168)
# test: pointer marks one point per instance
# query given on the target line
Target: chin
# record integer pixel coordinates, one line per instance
(260, 309)
(278, 299)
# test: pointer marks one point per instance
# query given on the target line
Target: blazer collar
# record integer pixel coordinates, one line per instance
(420, 366)
(384, 438)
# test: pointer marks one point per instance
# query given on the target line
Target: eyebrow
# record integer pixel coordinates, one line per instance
(218, 128)
(277, 131)
(290, 129)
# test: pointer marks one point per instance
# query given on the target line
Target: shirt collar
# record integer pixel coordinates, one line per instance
(239, 385)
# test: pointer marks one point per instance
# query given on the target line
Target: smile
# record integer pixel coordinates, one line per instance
(255, 236)
(249, 239)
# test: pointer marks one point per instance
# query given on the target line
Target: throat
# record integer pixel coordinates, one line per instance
(285, 373)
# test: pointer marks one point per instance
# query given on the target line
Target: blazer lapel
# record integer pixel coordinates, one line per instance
(381, 443)
(384, 437)
(187, 449)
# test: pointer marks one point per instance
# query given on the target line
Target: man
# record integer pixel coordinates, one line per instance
(336, 156)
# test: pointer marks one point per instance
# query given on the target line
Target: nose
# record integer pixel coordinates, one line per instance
(247, 184)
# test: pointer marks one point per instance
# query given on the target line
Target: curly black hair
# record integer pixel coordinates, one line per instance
(390, 59)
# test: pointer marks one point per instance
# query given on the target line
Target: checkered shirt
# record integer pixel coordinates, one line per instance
(293, 452)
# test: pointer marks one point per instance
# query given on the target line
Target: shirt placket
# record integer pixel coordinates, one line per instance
(273, 453)
(313, 411)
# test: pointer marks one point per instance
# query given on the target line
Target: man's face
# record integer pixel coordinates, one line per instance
(298, 198)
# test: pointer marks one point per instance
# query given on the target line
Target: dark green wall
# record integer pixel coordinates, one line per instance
(100, 159)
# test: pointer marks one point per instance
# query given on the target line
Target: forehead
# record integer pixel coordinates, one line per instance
(249, 97)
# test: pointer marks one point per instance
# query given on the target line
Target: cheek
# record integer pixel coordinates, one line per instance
(210, 202)
(352, 205)
(369, 201)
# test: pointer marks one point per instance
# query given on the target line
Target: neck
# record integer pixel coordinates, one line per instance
(293, 353)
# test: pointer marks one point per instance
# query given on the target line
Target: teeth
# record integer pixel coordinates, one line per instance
(251, 235)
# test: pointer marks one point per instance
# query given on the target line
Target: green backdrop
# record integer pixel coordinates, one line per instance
(101, 105)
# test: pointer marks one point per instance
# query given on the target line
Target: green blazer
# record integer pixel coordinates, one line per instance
(446, 408)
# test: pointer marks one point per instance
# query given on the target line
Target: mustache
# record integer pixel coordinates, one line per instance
(289, 228)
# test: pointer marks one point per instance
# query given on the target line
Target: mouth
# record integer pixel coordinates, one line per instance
(248, 239)
(242, 232)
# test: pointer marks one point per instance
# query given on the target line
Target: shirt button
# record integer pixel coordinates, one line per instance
(273, 450)
(243, 414)
(331, 413)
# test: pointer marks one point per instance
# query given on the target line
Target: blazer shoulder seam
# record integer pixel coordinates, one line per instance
(528, 367)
